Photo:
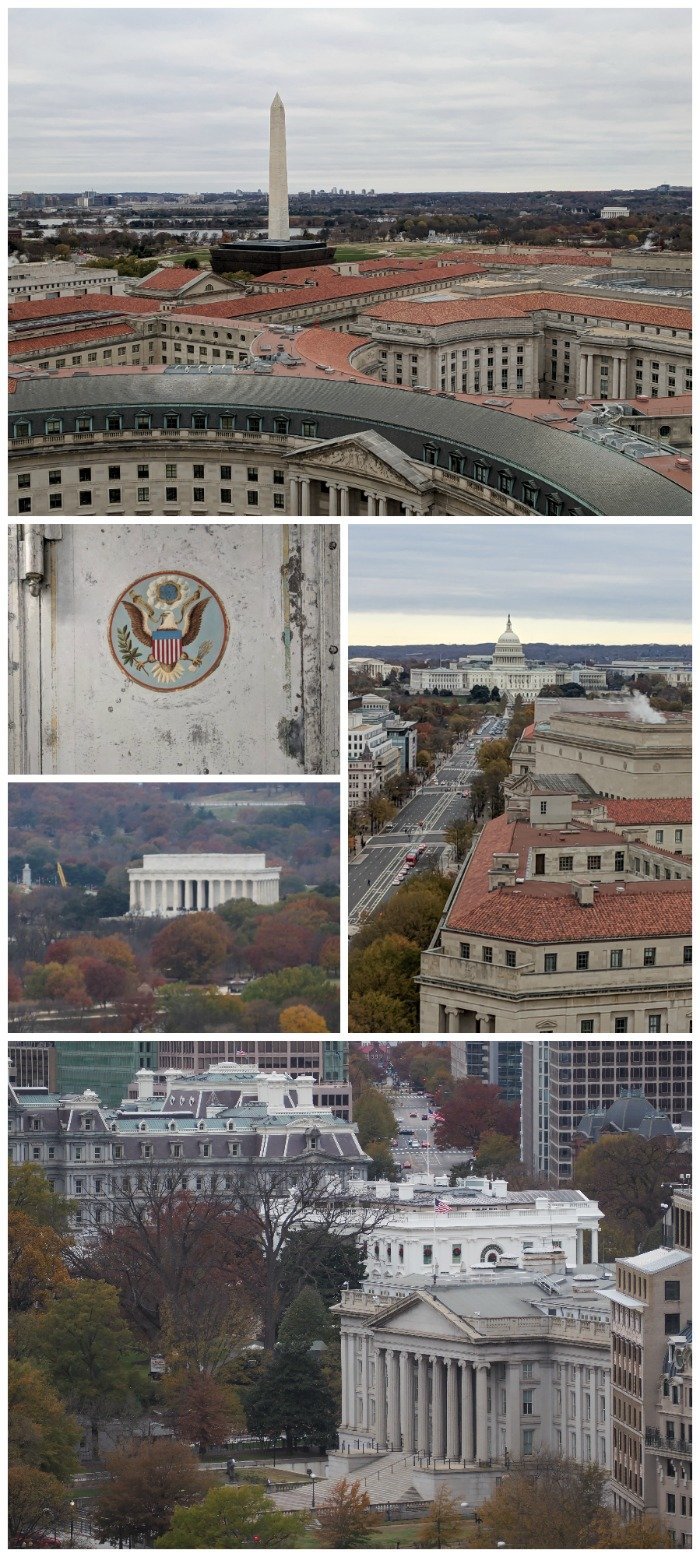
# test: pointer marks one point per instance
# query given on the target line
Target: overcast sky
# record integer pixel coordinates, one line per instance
(386, 98)
(442, 583)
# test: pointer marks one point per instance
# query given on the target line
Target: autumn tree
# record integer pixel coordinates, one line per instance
(612, 1531)
(374, 1117)
(472, 1109)
(36, 1504)
(36, 1263)
(201, 1409)
(301, 1019)
(191, 947)
(88, 1352)
(233, 1516)
(40, 1432)
(443, 1524)
(628, 1175)
(104, 981)
(459, 834)
(148, 1480)
(346, 1517)
(546, 1501)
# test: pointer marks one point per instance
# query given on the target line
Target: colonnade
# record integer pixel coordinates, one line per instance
(424, 1403)
(617, 376)
(178, 894)
(338, 498)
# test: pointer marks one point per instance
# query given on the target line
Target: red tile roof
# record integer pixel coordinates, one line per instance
(512, 305)
(544, 913)
(171, 279)
(94, 302)
(68, 340)
(644, 812)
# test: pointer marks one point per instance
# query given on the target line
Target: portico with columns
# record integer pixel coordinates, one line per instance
(360, 474)
(466, 1382)
(168, 884)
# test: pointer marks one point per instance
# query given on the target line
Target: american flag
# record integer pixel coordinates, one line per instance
(441, 1205)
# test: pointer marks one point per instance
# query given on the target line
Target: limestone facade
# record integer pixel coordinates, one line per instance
(169, 884)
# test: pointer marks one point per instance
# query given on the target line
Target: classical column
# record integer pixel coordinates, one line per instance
(513, 1412)
(407, 1428)
(623, 378)
(344, 499)
(380, 1398)
(365, 1382)
(332, 497)
(582, 372)
(594, 1246)
(579, 1246)
(344, 1376)
(371, 502)
(294, 494)
(589, 373)
(394, 1416)
(305, 495)
(452, 1015)
(382, 505)
(438, 1408)
(482, 1370)
(452, 1409)
(467, 1411)
(423, 1442)
(615, 377)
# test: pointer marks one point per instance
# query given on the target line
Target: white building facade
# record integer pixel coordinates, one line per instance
(168, 884)
(507, 670)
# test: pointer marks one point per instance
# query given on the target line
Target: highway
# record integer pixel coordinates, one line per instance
(443, 798)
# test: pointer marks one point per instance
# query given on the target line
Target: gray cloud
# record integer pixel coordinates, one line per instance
(598, 573)
(380, 98)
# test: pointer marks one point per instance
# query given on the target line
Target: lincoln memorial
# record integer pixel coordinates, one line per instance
(183, 883)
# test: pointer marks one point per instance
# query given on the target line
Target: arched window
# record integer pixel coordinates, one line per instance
(490, 1254)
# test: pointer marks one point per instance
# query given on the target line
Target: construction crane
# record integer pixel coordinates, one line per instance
(61, 874)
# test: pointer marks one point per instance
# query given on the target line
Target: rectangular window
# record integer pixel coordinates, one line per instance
(225, 495)
(582, 960)
(142, 494)
(114, 472)
(225, 472)
(679, 835)
(54, 478)
(464, 949)
(687, 953)
(539, 864)
(170, 472)
(616, 958)
(85, 498)
(528, 1440)
(198, 472)
(550, 962)
(55, 500)
(115, 494)
(456, 1253)
(171, 494)
(198, 495)
(672, 1292)
(427, 1253)
(619, 859)
(172, 421)
(253, 499)
(487, 954)
(649, 956)
(587, 1025)
(621, 1024)
(278, 478)
(252, 473)
(594, 862)
(142, 472)
(278, 500)
(528, 1397)
(566, 861)
(254, 424)
(24, 505)
(510, 959)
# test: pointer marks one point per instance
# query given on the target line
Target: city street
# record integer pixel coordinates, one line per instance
(444, 798)
(409, 1109)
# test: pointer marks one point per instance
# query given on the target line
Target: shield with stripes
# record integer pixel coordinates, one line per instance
(167, 645)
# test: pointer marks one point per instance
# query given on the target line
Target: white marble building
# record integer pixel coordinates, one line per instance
(169, 884)
(508, 670)
(485, 1224)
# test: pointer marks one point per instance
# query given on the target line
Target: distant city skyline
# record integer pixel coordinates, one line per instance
(390, 99)
(565, 583)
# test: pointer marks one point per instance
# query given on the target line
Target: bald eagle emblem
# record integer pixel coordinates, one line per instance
(158, 632)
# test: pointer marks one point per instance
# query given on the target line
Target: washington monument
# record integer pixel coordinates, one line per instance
(278, 213)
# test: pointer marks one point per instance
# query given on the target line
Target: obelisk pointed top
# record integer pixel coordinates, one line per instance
(278, 215)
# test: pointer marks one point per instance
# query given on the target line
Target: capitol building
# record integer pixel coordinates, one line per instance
(507, 669)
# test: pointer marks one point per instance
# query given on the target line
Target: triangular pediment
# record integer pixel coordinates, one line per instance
(368, 454)
(423, 1314)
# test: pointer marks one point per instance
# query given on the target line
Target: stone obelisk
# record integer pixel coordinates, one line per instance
(278, 213)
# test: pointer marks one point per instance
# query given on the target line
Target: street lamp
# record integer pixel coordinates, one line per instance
(312, 1475)
(72, 1516)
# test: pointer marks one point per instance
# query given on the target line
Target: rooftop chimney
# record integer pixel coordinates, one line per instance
(583, 892)
(503, 871)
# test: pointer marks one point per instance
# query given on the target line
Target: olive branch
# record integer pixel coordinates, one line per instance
(129, 653)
